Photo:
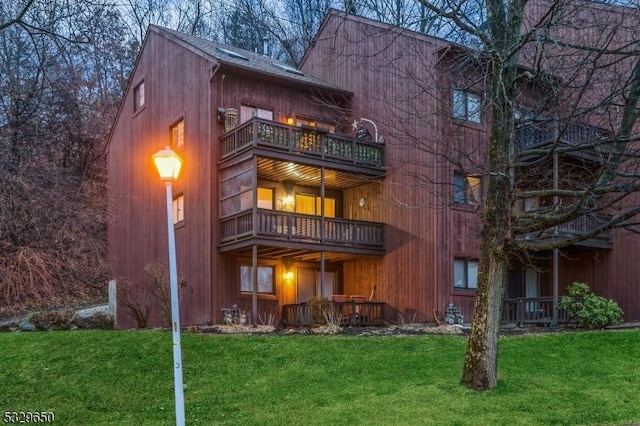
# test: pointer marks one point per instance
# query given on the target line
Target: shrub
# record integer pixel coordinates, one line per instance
(589, 310)
(161, 288)
(61, 319)
(318, 306)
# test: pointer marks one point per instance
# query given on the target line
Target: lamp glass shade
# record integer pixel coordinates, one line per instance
(168, 163)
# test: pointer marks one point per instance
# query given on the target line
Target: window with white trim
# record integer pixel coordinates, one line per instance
(465, 273)
(177, 135)
(467, 106)
(178, 209)
(265, 279)
(138, 96)
(247, 112)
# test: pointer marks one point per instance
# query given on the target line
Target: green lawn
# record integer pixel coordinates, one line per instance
(126, 378)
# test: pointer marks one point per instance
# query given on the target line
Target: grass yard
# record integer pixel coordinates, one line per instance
(126, 378)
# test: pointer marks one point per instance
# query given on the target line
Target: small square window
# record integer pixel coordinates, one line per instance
(467, 106)
(265, 279)
(178, 209)
(465, 274)
(138, 97)
(177, 135)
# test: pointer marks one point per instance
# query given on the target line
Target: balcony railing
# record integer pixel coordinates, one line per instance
(289, 226)
(578, 227)
(581, 136)
(344, 313)
(268, 134)
(531, 310)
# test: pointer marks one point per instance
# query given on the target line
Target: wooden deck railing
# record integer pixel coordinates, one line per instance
(577, 227)
(345, 313)
(280, 137)
(301, 227)
(582, 136)
(531, 310)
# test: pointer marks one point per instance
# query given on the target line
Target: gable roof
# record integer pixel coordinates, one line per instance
(244, 60)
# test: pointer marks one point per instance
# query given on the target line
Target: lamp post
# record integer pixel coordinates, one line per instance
(168, 164)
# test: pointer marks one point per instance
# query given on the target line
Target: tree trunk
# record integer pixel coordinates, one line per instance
(481, 359)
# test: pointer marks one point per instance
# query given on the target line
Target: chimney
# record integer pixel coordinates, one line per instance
(265, 46)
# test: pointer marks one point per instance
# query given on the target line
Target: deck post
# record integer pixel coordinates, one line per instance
(555, 250)
(254, 285)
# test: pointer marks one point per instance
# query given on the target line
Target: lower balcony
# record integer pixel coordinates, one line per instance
(301, 231)
(345, 314)
(526, 311)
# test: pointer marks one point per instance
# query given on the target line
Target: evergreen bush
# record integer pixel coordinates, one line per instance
(589, 310)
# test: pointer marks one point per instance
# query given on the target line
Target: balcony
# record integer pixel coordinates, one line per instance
(303, 231)
(578, 227)
(580, 139)
(526, 311)
(310, 143)
(346, 314)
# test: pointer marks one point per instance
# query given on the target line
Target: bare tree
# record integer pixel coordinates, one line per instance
(10, 17)
(585, 76)
(65, 67)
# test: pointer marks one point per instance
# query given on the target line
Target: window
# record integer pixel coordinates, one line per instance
(178, 209)
(138, 97)
(466, 105)
(265, 198)
(265, 279)
(248, 112)
(466, 189)
(311, 204)
(465, 273)
(319, 125)
(177, 135)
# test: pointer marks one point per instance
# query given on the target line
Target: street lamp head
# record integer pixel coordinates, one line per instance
(168, 164)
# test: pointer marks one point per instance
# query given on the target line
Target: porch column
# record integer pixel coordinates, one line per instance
(322, 273)
(322, 229)
(254, 286)
(254, 248)
(322, 212)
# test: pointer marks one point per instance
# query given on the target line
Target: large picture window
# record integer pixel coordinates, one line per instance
(465, 273)
(265, 279)
(467, 106)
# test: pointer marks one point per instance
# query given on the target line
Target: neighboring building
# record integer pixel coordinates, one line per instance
(329, 178)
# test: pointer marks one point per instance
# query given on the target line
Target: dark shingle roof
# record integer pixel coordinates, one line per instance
(245, 59)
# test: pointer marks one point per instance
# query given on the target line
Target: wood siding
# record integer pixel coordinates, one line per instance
(176, 87)
(401, 81)
(424, 232)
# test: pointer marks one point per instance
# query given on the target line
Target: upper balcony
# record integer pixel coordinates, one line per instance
(579, 140)
(581, 226)
(308, 145)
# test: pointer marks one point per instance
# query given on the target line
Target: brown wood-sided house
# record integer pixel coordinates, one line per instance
(329, 178)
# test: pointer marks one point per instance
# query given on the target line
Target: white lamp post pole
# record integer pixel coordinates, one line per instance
(175, 311)
(169, 164)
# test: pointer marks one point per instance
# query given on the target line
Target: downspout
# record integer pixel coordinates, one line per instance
(215, 203)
